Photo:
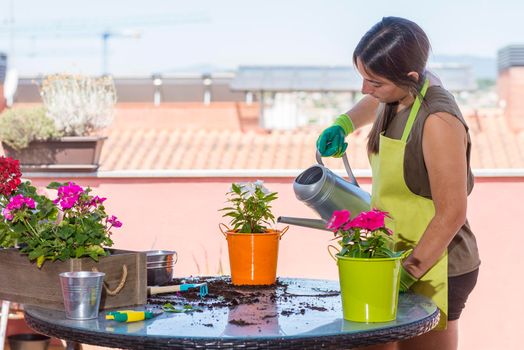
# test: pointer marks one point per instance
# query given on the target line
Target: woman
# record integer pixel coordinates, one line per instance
(419, 149)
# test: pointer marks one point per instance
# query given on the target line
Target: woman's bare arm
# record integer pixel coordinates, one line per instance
(364, 112)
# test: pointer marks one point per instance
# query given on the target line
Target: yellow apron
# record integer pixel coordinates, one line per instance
(410, 213)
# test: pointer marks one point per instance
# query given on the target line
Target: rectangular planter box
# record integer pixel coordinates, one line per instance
(23, 282)
(72, 153)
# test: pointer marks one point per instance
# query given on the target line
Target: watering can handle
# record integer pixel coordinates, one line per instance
(352, 177)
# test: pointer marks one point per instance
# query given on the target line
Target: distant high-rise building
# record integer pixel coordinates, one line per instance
(510, 84)
(3, 67)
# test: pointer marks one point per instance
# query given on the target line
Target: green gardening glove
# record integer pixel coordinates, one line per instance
(331, 142)
(406, 280)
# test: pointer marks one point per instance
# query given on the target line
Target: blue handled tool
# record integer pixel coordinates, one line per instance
(179, 288)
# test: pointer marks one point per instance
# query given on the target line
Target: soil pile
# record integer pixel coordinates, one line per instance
(262, 299)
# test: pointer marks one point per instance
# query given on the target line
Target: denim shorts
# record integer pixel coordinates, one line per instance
(459, 288)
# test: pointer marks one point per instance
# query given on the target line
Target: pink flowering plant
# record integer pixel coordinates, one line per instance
(72, 225)
(365, 236)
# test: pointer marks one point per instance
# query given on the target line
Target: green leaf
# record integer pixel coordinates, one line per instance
(35, 254)
(79, 252)
(168, 307)
(55, 185)
(94, 256)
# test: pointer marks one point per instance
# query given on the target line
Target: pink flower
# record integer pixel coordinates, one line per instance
(7, 214)
(339, 218)
(68, 195)
(370, 220)
(113, 220)
(375, 219)
(97, 200)
(15, 203)
(357, 222)
(18, 202)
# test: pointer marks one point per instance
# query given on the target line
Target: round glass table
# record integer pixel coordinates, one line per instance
(294, 314)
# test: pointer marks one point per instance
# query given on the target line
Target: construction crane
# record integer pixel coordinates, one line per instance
(104, 28)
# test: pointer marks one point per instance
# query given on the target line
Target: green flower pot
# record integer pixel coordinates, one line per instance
(369, 288)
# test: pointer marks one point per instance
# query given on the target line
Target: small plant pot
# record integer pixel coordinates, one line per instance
(253, 256)
(369, 288)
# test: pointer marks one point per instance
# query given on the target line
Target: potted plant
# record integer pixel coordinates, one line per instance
(64, 135)
(252, 246)
(368, 268)
(20, 126)
(68, 233)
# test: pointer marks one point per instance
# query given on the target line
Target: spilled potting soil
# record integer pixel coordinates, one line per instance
(249, 305)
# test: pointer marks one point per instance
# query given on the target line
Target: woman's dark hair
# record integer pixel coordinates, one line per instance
(391, 49)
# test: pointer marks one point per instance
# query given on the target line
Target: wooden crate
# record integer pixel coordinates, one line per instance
(23, 282)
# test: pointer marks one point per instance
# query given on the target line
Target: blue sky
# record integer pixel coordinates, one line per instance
(228, 33)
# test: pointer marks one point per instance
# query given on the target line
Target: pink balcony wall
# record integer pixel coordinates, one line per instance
(182, 214)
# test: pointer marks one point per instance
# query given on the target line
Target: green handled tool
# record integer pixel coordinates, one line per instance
(130, 315)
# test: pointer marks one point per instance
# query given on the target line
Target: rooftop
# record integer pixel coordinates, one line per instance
(227, 136)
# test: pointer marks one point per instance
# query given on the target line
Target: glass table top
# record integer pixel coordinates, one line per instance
(294, 308)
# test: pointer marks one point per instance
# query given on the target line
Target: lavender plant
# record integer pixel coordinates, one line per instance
(79, 105)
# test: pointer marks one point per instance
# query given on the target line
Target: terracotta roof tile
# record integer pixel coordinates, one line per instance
(227, 136)
(171, 141)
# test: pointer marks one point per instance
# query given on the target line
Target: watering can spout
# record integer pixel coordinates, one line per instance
(310, 223)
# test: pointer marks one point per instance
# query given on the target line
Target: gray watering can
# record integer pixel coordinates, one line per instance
(324, 192)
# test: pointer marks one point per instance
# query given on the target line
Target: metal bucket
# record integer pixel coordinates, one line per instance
(82, 291)
(160, 266)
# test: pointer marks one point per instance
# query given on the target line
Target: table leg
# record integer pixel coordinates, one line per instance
(73, 345)
(4, 317)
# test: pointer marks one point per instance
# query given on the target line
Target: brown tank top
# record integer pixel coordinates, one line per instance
(463, 256)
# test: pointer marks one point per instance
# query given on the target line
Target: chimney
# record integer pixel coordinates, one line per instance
(3, 66)
(510, 84)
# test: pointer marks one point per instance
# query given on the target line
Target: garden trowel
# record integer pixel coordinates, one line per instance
(179, 288)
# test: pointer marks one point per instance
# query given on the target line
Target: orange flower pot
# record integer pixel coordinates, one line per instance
(253, 256)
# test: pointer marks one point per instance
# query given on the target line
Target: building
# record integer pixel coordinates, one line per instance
(510, 84)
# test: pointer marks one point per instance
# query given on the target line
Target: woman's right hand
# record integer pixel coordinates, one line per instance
(331, 142)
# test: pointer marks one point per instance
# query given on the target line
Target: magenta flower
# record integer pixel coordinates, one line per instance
(357, 222)
(339, 218)
(374, 219)
(365, 236)
(16, 203)
(113, 220)
(370, 220)
(68, 195)
(97, 201)
(8, 215)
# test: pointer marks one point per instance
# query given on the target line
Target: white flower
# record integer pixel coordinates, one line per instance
(250, 188)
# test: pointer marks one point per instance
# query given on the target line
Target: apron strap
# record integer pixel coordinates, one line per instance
(414, 111)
